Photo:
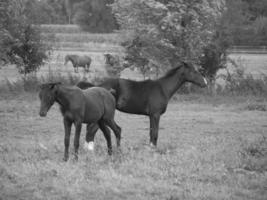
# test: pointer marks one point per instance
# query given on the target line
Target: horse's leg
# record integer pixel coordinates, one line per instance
(75, 68)
(78, 127)
(116, 129)
(107, 135)
(67, 127)
(154, 128)
(91, 130)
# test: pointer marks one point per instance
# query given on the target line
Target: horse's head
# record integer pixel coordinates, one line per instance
(47, 97)
(191, 74)
(107, 58)
(67, 58)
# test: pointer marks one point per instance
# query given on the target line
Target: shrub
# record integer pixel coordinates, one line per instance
(240, 83)
(21, 42)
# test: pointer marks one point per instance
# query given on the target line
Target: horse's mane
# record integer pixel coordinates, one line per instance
(173, 70)
(71, 57)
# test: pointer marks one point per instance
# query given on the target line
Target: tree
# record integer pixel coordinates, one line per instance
(247, 21)
(46, 11)
(95, 16)
(69, 6)
(20, 42)
(168, 31)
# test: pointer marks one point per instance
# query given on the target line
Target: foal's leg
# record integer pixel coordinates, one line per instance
(107, 135)
(91, 130)
(116, 129)
(78, 127)
(154, 128)
(67, 127)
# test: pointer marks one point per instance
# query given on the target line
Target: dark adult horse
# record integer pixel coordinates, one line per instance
(95, 105)
(149, 97)
(78, 61)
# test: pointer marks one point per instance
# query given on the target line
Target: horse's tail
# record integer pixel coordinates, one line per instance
(113, 92)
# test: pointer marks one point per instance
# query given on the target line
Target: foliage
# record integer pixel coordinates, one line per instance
(113, 64)
(239, 82)
(246, 20)
(46, 11)
(167, 31)
(95, 16)
(21, 42)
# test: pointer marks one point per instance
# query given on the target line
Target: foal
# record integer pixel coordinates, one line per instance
(92, 106)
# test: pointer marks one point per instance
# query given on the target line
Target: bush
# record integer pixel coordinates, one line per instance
(240, 83)
(30, 49)
(20, 42)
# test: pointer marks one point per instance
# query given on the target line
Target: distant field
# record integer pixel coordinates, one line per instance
(254, 64)
(69, 39)
(207, 149)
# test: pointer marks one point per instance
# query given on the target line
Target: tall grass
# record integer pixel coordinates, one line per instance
(31, 83)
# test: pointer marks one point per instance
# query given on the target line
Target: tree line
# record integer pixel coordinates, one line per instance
(245, 20)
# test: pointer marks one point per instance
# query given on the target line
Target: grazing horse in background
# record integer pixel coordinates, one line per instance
(78, 61)
(112, 60)
(95, 105)
(149, 97)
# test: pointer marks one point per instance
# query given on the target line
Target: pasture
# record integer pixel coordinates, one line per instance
(208, 148)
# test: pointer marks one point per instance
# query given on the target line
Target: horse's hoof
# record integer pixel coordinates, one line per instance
(153, 146)
(65, 159)
(89, 146)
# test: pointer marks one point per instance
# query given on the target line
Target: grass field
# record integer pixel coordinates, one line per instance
(208, 148)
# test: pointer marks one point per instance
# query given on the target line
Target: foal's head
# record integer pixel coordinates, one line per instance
(194, 76)
(47, 97)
